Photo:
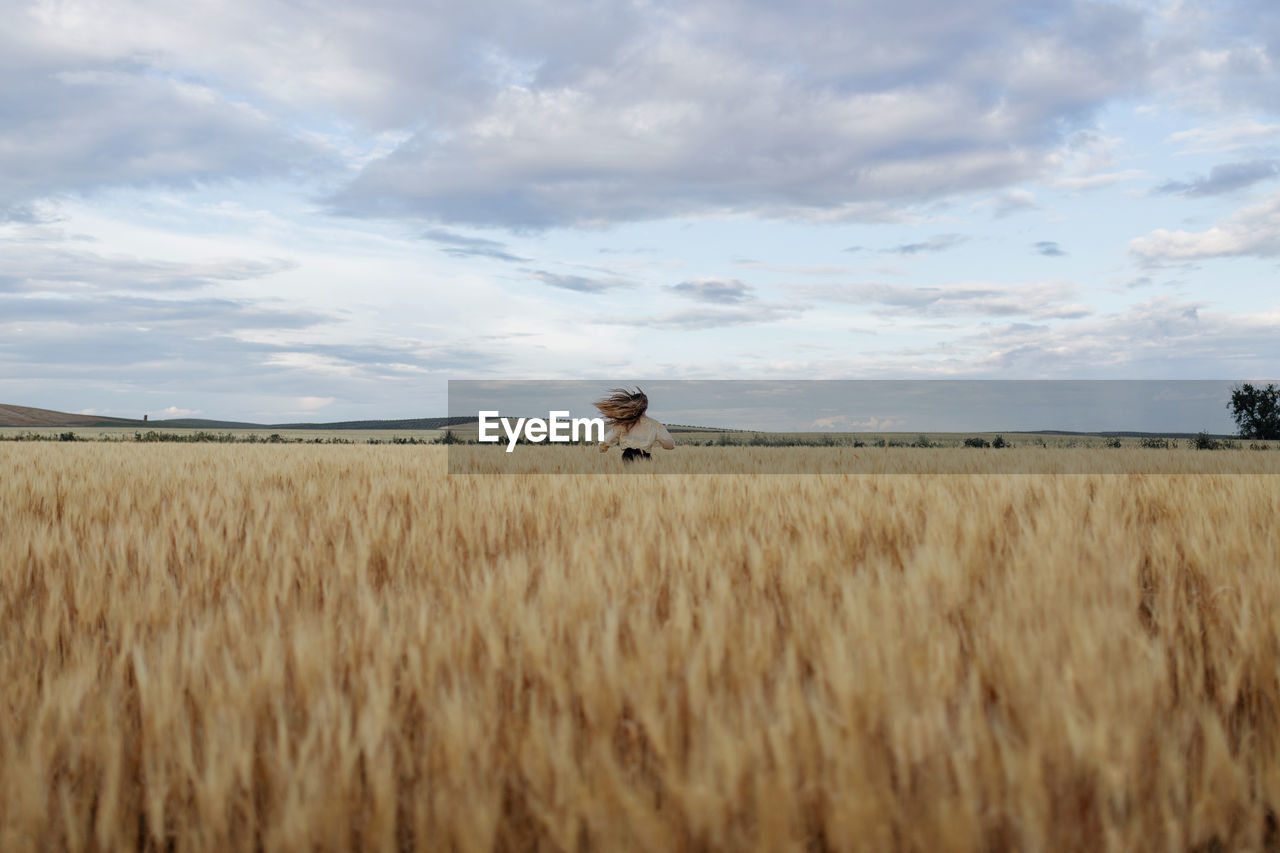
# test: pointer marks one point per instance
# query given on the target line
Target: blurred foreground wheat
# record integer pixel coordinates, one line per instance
(238, 648)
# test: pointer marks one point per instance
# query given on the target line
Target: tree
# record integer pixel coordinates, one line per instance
(1256, 411)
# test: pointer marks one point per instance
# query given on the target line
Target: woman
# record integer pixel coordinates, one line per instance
(629, 427)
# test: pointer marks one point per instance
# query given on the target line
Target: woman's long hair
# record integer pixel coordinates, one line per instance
(622, 408)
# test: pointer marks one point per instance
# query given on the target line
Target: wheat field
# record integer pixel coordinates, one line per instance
(279, 648)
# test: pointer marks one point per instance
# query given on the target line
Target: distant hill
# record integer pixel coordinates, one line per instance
(1115, 434)
(25, 416)
(404, 423)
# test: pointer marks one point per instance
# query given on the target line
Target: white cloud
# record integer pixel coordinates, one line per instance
(1009, 202)
(795, 269)
(1041, 300)
(717, 290)
(936, 243)
(1218, 58)
(76, 122)
(33, 265)
(1251, 231)
(312, 363)
(1087, 162)
(1224, 178)
(579, 283)
(699, 112)
(312, 403)
(1098, 180)
(854, 423)
(753, 313)
(1225, 137)
(1163, 337)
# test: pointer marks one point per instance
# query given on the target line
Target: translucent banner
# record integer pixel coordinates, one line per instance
(859, 427)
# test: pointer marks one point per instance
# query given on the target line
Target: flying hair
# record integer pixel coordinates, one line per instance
(622, 407)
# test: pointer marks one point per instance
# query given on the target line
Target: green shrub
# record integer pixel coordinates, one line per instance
(1204, 441)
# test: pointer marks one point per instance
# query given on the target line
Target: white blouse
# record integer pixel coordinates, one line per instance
(642, 435)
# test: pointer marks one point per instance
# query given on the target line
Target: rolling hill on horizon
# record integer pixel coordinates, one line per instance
(26, 416)
(22, 416)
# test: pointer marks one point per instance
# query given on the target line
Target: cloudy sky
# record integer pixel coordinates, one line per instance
(264, 210)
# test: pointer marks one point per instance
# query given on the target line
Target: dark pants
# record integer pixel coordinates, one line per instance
(630, 454)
